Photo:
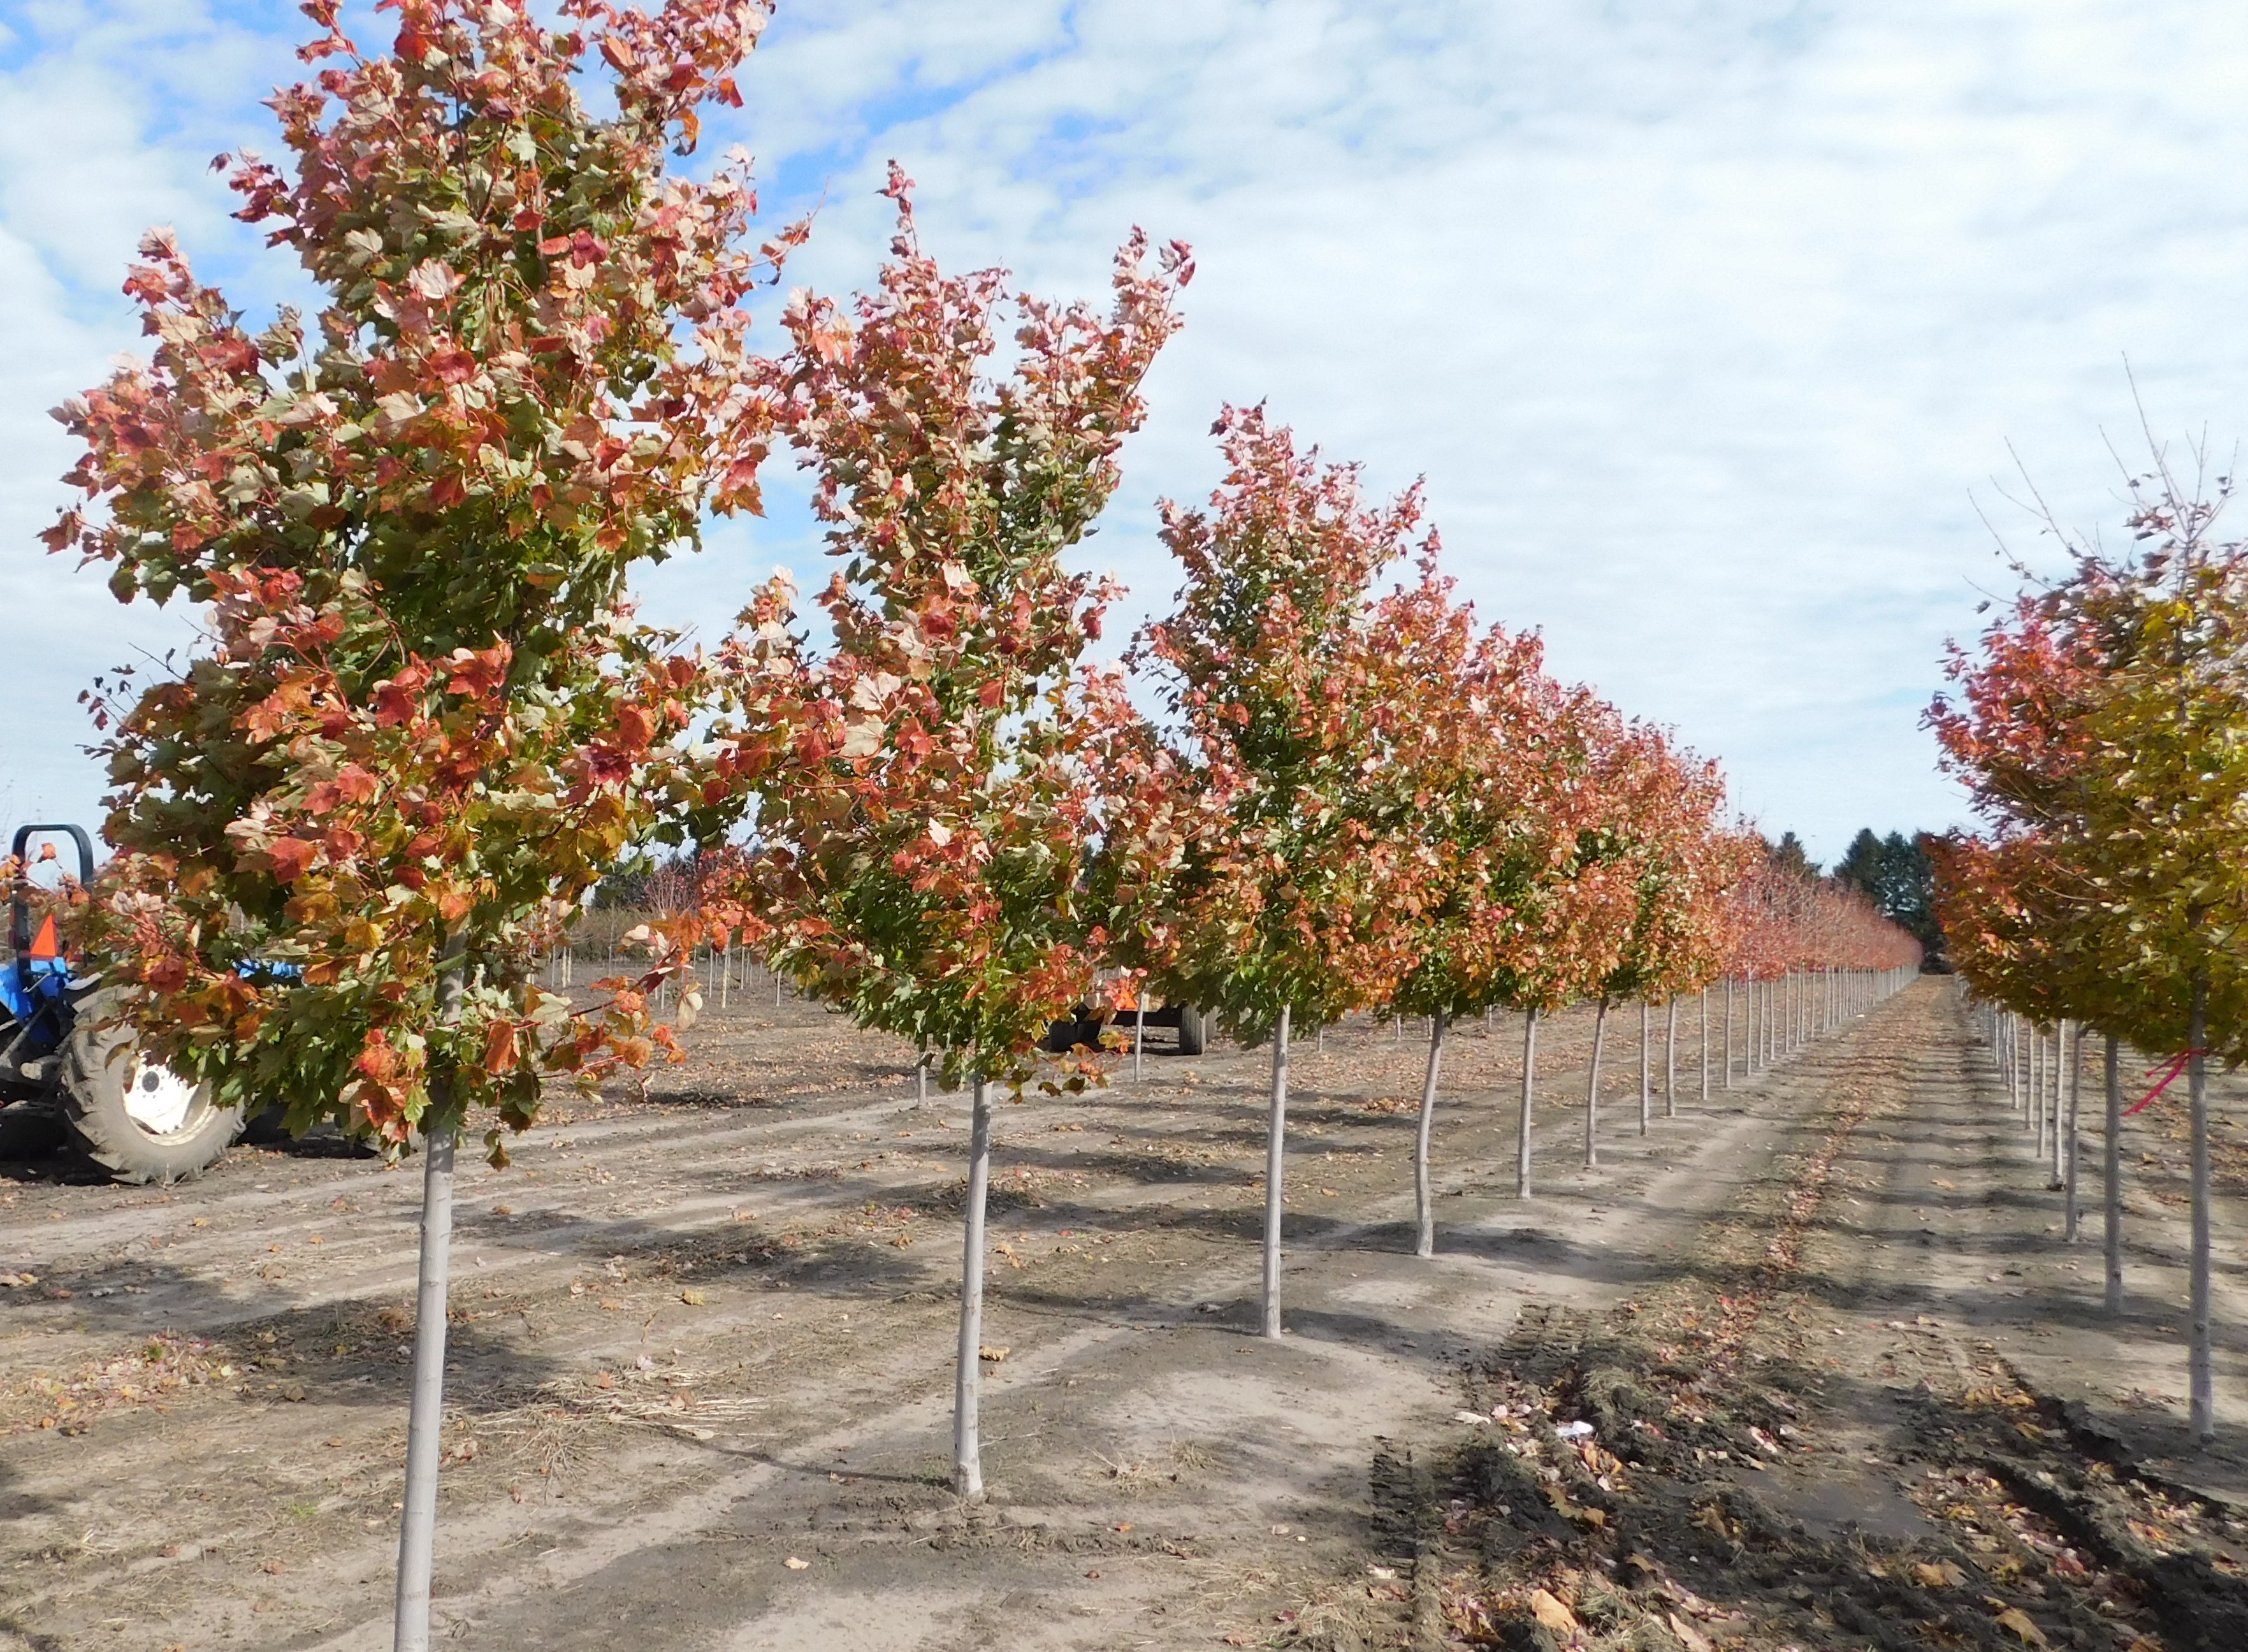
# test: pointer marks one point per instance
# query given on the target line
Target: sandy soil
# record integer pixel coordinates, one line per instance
(701, 1380)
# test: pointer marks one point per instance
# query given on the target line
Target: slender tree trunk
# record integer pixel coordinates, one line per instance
(1749, 997)
(425, 1416)
(2111, 1167)
(2199, 1364)
(1670, 1064)
(2013, 1064)
(1593, 1089)
(967, 1381)
(1646, 1063)
(2039, 1060)
(1276, 1138)
(2070, 1214)
(921, 1078)
(2062, 1151)
(417, 1535)
(1704, 1063)
(1529, 1089)
(1729, 1032)
(1139, 1040)
(1424, 1201)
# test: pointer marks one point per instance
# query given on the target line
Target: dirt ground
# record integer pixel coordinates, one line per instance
(1806, 1366)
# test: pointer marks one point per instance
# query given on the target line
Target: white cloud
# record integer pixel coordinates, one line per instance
(1702, 320)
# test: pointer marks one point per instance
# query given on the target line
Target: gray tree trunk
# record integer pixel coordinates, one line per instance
(2198, 1362)
(968, 1375)
(1646, 1063)
(425, 1416)
(1729, 1032)
(1275, 1137)
(2061, 1151)
(1424, 1202)
(2069, 1214)
(418, 1529)
(2037, 1065)
(1705, 1043)
(1670, 1064)
(1593, 1089)
(2111, 1167)
(1529, 1087)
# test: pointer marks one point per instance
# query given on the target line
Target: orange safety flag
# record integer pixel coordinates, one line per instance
(44, 945)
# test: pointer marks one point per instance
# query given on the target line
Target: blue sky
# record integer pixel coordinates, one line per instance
(1709, 324)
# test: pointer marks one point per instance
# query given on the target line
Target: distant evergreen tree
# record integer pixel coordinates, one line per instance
(1894, 873)
(1862, 866)
(1789, 856)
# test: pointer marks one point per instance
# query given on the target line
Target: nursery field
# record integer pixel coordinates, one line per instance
(1845, 1386)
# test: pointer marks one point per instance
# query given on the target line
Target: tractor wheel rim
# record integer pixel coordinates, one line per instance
(159, 1099)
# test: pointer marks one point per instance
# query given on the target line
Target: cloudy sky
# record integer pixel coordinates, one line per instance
(1715, 326)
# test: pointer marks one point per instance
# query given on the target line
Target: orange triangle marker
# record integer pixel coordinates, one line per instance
(44, 945)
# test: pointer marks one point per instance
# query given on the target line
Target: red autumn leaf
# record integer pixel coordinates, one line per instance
(499, 1046)
(453, 366)
(292, 858)
(635, 727)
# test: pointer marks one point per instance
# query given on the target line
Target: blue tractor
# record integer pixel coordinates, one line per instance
(69, 1067)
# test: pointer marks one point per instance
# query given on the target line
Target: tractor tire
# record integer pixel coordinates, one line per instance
(1192, 1039)
(1062, 1037)
(138, 1122)
(268, 1127)
(29, 1130)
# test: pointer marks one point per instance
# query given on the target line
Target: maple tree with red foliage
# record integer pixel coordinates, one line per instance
(965, 810)
(426, 721)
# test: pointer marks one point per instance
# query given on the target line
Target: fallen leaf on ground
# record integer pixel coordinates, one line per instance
(1695, 1641)
(1551, 1612)
(1935, 1575)
(992, 1355)
(693, 1297)
(2019, 1621)
(795, 1565)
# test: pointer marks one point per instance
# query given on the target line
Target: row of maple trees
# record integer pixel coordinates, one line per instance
(427, 720)
(2101, 728)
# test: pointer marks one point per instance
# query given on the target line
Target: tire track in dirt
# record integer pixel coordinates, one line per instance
(1741, 1459)
(817, 1332)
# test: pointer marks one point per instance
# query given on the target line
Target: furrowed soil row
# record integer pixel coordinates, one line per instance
(703, 1338)
(1732, 1461)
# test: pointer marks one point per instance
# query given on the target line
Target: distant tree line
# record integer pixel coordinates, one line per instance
(1892, 872)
